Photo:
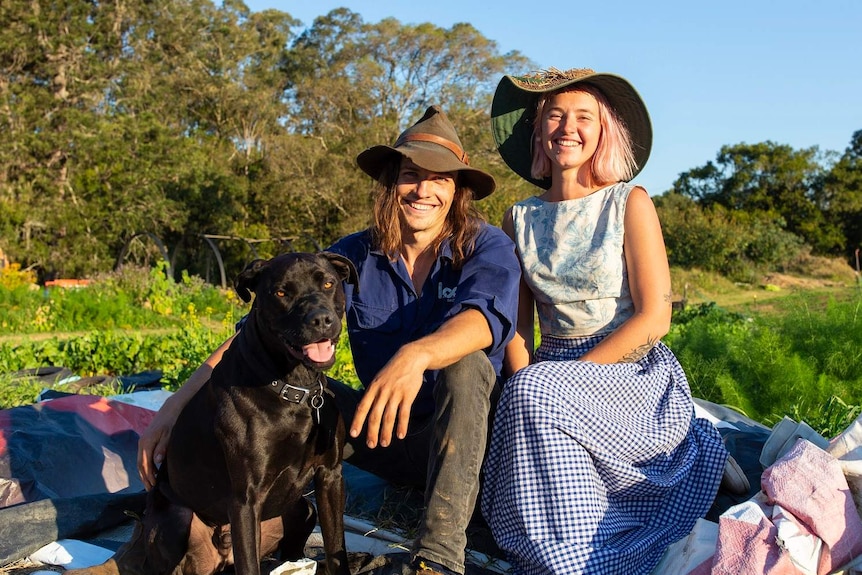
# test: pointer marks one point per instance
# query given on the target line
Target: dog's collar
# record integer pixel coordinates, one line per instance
(295, 394)
(313, 396)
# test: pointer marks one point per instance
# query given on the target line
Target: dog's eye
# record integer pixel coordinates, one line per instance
(328, 284)
(279, 293)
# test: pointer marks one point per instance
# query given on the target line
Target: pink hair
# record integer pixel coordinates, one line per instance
(613, 160)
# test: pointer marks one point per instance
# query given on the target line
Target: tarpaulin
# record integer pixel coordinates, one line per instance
(66, 465)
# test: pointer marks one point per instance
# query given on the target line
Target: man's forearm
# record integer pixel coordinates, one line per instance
(458, 337)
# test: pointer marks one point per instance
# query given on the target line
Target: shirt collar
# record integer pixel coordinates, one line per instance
(445, 250)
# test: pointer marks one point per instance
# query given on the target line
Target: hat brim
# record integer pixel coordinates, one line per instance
(513, 112)
(427, 156)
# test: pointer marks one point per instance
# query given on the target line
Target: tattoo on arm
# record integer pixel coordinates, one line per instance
(668, 297)
(640, 351)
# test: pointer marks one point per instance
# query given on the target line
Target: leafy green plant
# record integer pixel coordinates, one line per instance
(128, 299)
(796, 361)
(828, 420)
(343, 370)
(16, 391)
(13, 277)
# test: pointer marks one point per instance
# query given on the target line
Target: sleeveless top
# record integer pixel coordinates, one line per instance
(572, 258)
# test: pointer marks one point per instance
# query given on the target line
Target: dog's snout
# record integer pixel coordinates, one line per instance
(320, 318)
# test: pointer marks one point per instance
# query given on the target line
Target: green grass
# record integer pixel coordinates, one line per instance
(797, 352)
(133, 298)
(124, 323)
(802, 358)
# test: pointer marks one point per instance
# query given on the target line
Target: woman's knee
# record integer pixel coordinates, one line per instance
(525, 385)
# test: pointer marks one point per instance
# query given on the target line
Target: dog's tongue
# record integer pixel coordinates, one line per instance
(319, 352)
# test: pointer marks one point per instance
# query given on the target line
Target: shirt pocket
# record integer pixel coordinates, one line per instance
(383, 320)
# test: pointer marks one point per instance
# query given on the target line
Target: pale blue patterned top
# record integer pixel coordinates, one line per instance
(572, 258)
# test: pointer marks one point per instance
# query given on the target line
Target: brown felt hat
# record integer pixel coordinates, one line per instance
(513, 112)
(432, 144)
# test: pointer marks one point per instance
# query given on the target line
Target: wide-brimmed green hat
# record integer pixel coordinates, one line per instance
(431, 143)
(513, 111)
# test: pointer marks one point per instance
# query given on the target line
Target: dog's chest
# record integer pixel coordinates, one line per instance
(267, 422)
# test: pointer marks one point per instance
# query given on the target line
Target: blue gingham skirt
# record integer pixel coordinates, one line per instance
(597, 468)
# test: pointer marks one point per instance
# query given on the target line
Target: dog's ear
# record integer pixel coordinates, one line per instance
(246, 281)
(346, 269)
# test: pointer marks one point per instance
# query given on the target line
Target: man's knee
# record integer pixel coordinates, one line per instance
(346, 398)
(471, 374)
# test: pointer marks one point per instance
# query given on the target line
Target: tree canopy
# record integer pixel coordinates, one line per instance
(192, 122)
(182, 118)
(800, 192)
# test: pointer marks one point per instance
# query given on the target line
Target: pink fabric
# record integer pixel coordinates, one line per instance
(704, 568)
(809, 483)
(806, 496)
(746, 545)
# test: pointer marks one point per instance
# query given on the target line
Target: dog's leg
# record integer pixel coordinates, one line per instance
(245, 533)
(166, 529)
(130, 558)
(209, 550)
(298, 523)
(157, 546)
(329, 494)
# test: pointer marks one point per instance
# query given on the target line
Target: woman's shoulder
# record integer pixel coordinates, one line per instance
(623, 190)
(526, 205)
(529, 202)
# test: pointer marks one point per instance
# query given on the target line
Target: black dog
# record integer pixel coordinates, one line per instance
(248, 444)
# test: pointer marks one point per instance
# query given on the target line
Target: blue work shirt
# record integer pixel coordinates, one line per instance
(386, 312)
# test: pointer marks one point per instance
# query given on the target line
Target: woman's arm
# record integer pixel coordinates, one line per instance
(649, 282)
(519, 351)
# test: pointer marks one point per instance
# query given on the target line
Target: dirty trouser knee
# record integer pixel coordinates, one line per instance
(460, 432)
(442, 454)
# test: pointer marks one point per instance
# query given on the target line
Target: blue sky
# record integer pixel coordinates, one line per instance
(711, 73)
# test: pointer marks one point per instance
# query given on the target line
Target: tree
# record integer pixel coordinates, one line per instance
(355, 84)
(766, 179)
(58, 61)
(188, 117)
(840, 196)
(122, 114)
(735, 243)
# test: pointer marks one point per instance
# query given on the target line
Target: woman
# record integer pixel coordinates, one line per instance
(597, 462)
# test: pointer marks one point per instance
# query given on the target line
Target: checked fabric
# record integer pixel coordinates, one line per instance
(597, 468)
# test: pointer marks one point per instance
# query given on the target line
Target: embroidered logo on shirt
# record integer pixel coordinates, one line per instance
(445, 293)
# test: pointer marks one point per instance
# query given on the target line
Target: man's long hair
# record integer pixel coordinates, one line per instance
(461, 228)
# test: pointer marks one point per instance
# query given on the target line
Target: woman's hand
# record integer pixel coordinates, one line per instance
(153, 445)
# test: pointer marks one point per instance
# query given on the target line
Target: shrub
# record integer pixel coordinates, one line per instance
(12, 277)
(734, 243)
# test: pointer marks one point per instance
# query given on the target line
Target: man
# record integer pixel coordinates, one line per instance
(428, 325)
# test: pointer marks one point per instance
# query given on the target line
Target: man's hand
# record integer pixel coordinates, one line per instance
(389, 398)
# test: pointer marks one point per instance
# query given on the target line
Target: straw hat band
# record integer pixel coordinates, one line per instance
(448, 144)
(551, 79)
